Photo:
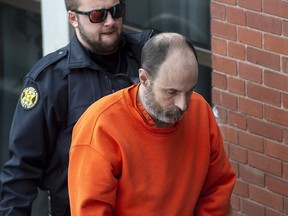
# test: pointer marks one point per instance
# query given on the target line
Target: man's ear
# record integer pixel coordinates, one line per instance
(72, 18)
(144, 76)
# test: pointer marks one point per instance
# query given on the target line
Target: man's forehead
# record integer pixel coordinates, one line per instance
(177, 66)
(97, 4)
(179, 74)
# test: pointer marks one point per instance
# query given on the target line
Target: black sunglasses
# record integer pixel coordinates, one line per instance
(98, 16)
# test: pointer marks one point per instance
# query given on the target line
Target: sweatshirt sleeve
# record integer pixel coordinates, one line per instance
(90, 192)
(94, 168)
(217, 189)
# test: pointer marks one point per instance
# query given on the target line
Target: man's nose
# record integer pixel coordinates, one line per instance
(181, 101)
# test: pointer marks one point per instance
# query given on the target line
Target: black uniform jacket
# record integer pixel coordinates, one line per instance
(57, 90)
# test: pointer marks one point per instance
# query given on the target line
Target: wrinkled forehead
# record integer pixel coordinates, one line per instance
(180, 69)
(181, 62)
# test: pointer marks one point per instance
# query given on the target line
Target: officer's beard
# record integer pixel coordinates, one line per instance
(99, 46)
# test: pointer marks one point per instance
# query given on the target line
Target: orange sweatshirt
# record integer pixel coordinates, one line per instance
(120, 165)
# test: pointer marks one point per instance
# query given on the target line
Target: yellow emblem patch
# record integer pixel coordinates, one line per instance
(29, 98)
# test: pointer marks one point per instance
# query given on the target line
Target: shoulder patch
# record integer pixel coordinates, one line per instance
(29, 98)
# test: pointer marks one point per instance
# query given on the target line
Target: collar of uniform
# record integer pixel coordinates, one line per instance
(77, 55)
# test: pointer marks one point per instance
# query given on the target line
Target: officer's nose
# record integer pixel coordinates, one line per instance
(109, 19)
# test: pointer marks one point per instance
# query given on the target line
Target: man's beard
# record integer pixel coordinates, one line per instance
(100, 47)
(155, 110)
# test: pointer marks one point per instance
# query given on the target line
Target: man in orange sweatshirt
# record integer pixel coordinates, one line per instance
(153, 148)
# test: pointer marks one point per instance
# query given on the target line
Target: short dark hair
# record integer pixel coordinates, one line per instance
(157, 48)
(71, 4)
(74, 4)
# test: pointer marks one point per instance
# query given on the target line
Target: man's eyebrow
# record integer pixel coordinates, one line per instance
(176, 90)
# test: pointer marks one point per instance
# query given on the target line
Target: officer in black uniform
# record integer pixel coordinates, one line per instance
(56, 91)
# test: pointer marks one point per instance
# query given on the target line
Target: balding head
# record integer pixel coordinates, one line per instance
(159, 47)
(168, 76)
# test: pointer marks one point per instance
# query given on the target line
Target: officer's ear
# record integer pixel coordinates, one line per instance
(72, 18)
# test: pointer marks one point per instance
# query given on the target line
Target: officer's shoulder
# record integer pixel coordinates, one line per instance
(139, 37)
(46, 61)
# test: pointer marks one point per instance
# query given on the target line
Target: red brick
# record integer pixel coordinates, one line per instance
(265, 163)
(252, 208)
(266, 197)
(276, 80)
(250, 72)
(285, 100)
(216, 94)
(235, 166)
(251, 141)
(236, 16)
(285, 135)
(217, 11)
(272, 212)
(250, 37)
(264, 94)
(252, 175)
(228, 101)
(263, 58)
(251, 107)
(286, 205)
(261, 104)
(237, 120)
(230, 2)
(236, 85)
(275, 7)
(225, 65)
(224, 30)
(276, 115)
(219, 46)
(265, 129)
(241, 188)
(229, 134)
(285, 27)
(236, 51)
(285, 65)
(285, 171)
(276, 150)
(235, 202)
(238, 154)
(264, 23)
(222, 115)
(277, 185)
(276, 44)
(226, 148)
(252, 5)
(219, 80)
(235, 213)
(222, 112)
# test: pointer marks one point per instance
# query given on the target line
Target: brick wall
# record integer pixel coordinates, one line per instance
(250, 90)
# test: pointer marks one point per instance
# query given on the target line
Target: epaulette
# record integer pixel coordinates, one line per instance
(45, 62)
(139, 37)
(136, 41)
